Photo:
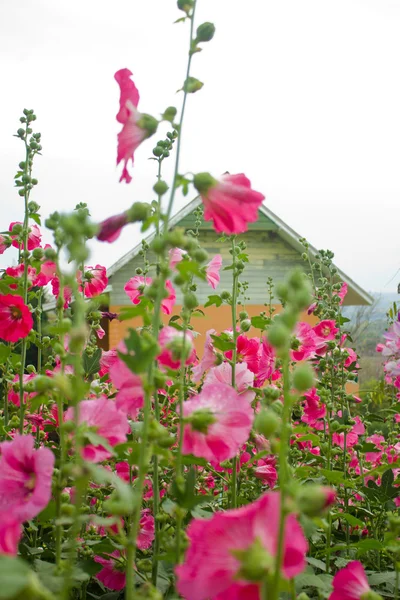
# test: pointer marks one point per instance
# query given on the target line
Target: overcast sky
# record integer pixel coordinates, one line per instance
(303, 96)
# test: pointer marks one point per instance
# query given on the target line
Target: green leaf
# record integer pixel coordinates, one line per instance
(319, 564)
(48, 513)
(35, 218)
(5, 352)
(189, 459)
(366, 545)
(214, 299)
(260, 322)
(15, 576)
(308, 580)
(351, 519)
(142, 351)
(140, 310)
(223, 342)
(91, 364)
(128, 451)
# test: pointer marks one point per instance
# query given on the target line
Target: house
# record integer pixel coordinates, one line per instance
(274, 250)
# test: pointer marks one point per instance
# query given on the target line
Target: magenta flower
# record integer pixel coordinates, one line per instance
(130, 395)
(34, 236)
(351, 583)
(244, 378)
(10, 534)
(175, 256)
(136, 127)
(266, 471)
(266, 363)
(15, 318)
(25, 478)
(135, 286)
(175, 345)
(167, 303)
(342, 292)
(212, 271)
(231, 553)
(13, 395)
(67, 292)
(306, 342)
(110, 229)
(103, 417)
(112, 574)
(95, 281)
(314, 409)
(247, 350)
(5, 242)
(146, 530)
(209, 357)
(218, 423)
(230, 202)
(46, 273)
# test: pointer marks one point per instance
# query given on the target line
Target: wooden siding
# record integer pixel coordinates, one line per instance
(269, 256)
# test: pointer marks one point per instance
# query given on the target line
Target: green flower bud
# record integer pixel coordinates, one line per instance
(169, 115)
(245, 325)
(243, 315)
(160, 188)
(313, 499)
(176, 238)
(205, 32)
(158, 245)
(200, 420)
(192, 85)
(21, 132)
(185, 5)
(255, 562)
(303, 596)
(158, 151)
(278, 335)
(17, 229)
(303, 377)
(200, 255)
(37, 253)
(190, 301)
(267, 422)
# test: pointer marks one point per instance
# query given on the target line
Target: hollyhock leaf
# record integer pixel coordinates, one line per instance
(48, 513)
(214, 299)
(91, 364)
(351, 519)
(367, 545)
(144, 351)
(14, 576)
(140, 310)
(308, 580)
(129, 451)
(260, 322)
(190, 459)
(222, 342)
(319, 564)
(36, 218)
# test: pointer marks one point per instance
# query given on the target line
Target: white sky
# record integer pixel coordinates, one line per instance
(303, 96)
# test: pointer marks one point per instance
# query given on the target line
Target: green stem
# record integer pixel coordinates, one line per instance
(234, 483)
(178, 146)
(283, 473)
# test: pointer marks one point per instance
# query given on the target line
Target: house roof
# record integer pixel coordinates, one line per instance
(283, 230)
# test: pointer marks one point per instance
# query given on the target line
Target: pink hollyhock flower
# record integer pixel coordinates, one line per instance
(209, 357)
(135, 286)
(266, 471)
(146, 530)
(218, 423)
(175, 345)
(18, 272)
(15, 318)
(108, 358)
(46, 274)
(350, 583)
(237, 548)
(230, 202)
(110, 229)
(103, 417)
(34, 236)
(243, 378)
(352, 358)
(100, 332)
(266, 363)
(95, 281)
(311, 308)
(136, 127)
(67, 291)
(212, 271)
(10, 534)
(247, 350)
(5, 242)
(306, 342)
(325, 331)
(342, 292)
(314, 409)
(13, 395)
(25, 478)
(167, 303)
(130, 395)
(112, 574)
(175, 257)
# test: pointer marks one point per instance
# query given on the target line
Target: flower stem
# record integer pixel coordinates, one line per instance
(283, 474)
(234, 483)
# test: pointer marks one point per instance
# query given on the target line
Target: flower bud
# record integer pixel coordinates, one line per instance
(148, 123)
(255, 562)
(312, 499)
(38, 253)
(158, 151)
(190, 301)
(303, 378)
(140, 211)
(267, 422)
(205, 32)
(185, 5)
(169, 114)
(200, 420)
(160, 187)
(245, 325)
(278, 335)
(192, 85)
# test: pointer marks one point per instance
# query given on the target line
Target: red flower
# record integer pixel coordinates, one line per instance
(230, 202)
(34, 237)
(111, 228)
(15, 318)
